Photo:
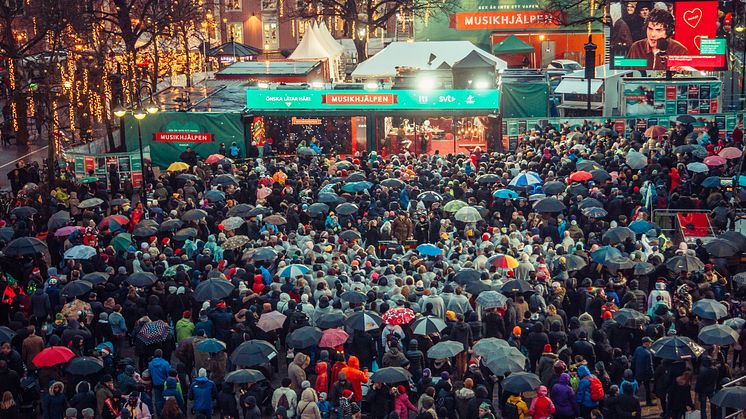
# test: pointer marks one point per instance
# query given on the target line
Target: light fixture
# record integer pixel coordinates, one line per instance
(317, 84)
(68, 84)
(361, 33)
(151, 107)
(139, 113)
(371, 85)
(426, 83)
(481, 84)
(119, 111)
(262, 85)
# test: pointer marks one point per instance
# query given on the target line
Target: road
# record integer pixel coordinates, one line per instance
(11, 155)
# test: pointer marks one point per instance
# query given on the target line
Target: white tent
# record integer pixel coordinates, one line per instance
(419, 55)
(329, 41)
(313, 47)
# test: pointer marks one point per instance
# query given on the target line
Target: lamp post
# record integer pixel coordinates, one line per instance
(140, 112)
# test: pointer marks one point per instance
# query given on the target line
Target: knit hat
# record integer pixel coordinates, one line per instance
(485, 406)
(186, 314)
(606, 315)
(445, 375)
(401, 389)
(547, 348)
(347, 393)
(517, 330)
(71, 412)
(202, 372)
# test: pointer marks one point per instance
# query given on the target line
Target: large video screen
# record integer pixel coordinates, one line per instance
(676, 36)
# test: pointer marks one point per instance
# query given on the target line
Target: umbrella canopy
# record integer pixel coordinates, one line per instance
(467, 275)
(215, 196)
(363, 321)
(185, 234)
(491, 299)
(503, 261)
(711, 182)
(468, 215)
(61, 232)
(735, 323)
(213, 289)
(588, 165)
(6, 334)
(553, 188)
(240, 210)
(574, 262)
(142, 279)
(391, 375)
(54, 355)
(526, 179)
(25, 246)
(271, 321)
(454, 206)
(331, 338)
(718, 334)
(487, 178)
(721, 248)
(619, 263)
(235, 242)
(486, 346)
(641, 226)
(171, 271)
(84, 365)
(520, 382)
(643, 268)
(90, 203)
(730, 398)
(355, 187)
(331, 320)
(589, 203)
(618, 235)
(354, 297)
(507, 360)
(392, 183)
(210, 345)
(697, 167)
(429, 250)
(676, 348)
(244, 376)
(194, 215)
(604, 253)
(214, 158)
(730, 153)
(708, 308)
(264, 254)
(76, 288)
(295, 270)
(735, 237)
(398, 316)
(350, 235)
(445, 349)
(154, 332)
(224, 180)
(715, 161)
(80, 252)
(177, 166)
(114, 221)
(427, 325)
(685, 263)
(275, 219)
(428, 197)
(594, 212)
(346, 209)
(636, 160)
(96, 277)
(144, 230)
(580, 176)
(317, 209)
(516, 285)
(232, 223)
(506, 194)
(550, 204)
(329, 198)
(58, 219)
(304, 337)
(630, 318)
(122, 242)
(355, 177)
(656, 131)
(253, 352)
(600, 175)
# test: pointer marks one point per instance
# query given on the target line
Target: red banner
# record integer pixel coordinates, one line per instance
(695, 20)
(360, 99)
(464, 21)
(182, 137)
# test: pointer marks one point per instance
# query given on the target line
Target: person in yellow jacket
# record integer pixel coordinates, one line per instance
(515, 408)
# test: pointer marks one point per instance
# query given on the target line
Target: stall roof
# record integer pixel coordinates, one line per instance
(474, 60)
(233, 48)
(512, 45)
(578, 86)
(602, 72)
(269, 68)
(419, 55)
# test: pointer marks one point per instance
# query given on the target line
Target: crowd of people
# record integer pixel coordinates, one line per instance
(530, 284)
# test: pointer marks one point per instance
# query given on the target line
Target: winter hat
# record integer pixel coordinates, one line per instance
(445, 375)
(347, 393)
(517, 330)
(202, 372)
(547, 348)
(426, 372)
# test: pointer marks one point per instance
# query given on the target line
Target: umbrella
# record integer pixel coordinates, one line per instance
(491, 299)
(428, 249)
(676, 348)
(24, 246)
(185, 233)
(355, 177)
(116, 219)
(604, 253)
(476, 287)
(685, 263)
(454, 206)
(505, 194)
(735, 323)
(507, 360)
(503, 261)
(526, 179)
(391, 375)
(224, 180)
(213, 289)
(619, 262)
(293, 271)
(429, 197)
(347, 209)
(306, 151)
(244, 376)
(553, 188)
(122, 242)
(355, 187)
(354, 297)
(363, 321)
(344, 164)
(643, 268)
(730, 398)
(588, 165)
(210, 345)
(711, 182)
(350, 235)
(304, 337)
(594, 212)
(194, 215)
(445, 349)
(271, 321)
(697, 167)
(488, 178)
(392, 183)
(66, 231)
(328, 198)
(468, 215)
(240, 210)
(331, 338)
(600, 175)
(80, 252)
(58, 219)
(573, 262)
(467, 275)
(718, 334)
(214, 158)
(428, 325)
(232, 223)
(90, 203)
(144, 230)
(235, 242)
(317, 209)
(215, 196)
(24, 212)
(76, 288)
(264, 254)
(686, 119)
(715, 161)
(549, 205)
(171, 271)
(590, 203)
(618, 235)
(6, 334)
(84, 365)
(630, 318)
(577, 189)
(96, 277)
(331, 320)
(178, 166)
(253, 352)
(486, 346)
(520, 382)
(516, 285)
(730, 153)
(735, 237)
(636, 160)
(141, 279)
(276, 220)
(154, 332)
(398, 316)
(187, 176)
(721, 248)
(641, 226)
(580, 176)
(656, 131)
(54, 355)
(710, 309)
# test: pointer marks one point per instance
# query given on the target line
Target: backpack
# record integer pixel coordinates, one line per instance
(510, 411)
(283, 402)
(596, 388)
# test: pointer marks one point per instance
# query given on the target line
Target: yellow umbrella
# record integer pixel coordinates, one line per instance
(178, 166)
(503, 261)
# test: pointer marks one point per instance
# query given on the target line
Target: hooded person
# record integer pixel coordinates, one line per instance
(84, 397)
(583, 396)
(322, 377)
(356, 377)
(563, 396)
(202, 392)
(135, 408)
(307, 406)
(171, 390)
(545, 369)
(297, 371)
(227, 402)
(542, 406)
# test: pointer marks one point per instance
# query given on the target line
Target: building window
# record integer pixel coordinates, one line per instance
(235, 32)
(270, 35)
(233, 5)
(269, 5)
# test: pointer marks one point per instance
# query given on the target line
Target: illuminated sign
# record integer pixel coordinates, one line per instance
(503, 20)
(182, 137)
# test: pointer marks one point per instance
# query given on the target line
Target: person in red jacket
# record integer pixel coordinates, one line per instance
(542, 406)
(322, 378)
(355, 376)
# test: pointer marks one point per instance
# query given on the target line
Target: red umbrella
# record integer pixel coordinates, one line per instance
(332, 338)
(715, 161)
(398, 315)
(119, 219)
(214, 158)
(656, 131)
(730, 153)
(52, 356)
(580, 176)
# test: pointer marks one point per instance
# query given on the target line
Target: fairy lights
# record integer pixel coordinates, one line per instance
(12, 82)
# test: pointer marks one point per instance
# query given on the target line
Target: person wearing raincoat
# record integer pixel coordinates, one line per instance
(356, 377)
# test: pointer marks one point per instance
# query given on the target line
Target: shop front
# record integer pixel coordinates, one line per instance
(388, 121)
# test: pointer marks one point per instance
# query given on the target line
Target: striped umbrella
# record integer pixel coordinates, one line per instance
(293, 271)
(526, 179)
(428, 325)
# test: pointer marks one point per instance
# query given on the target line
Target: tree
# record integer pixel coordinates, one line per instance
(363, 17)
(567, 13)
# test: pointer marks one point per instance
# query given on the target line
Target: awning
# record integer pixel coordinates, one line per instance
(512, 45)
(578, 86)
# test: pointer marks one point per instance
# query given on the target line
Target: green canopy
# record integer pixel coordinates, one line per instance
(512, 45)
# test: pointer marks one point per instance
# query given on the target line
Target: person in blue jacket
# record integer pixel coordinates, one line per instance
(642, 365)
(172, 391)
(583, 397)
(202, 392)
(158, 368)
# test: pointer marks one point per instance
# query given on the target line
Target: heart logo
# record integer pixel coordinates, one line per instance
(692, 17)
(697, 40)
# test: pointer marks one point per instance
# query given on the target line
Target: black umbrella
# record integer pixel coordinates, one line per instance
(346, 209)
(260, 210)
(428, 325)
(718, 334)
(24, 212)
(520, 382)
(215, 195)
(428, 197)
(6, 234)
(731, 398)
(356, 177)
(57, 220)
(331, 320)
(618, 235)
(676, 348)
(141, 279)
(354, 297)
(722, 248)
(24, 246)
(392, 183)
(264, 254)
(84, 365)
(224, 180)
(619, 263)
(735, 237)
(445, 349)
(391, 375)
(364, 321)
(476, 287)
(588, 165)
(464, 276)
(185, 233)
(553, 188)
(305, 337)
(488, 178)
(685, 263)
(170, 226)
(630, 318)
(643, 268)
(516, 285)
(244, 376)
(550, 204)
(590, 202)
(349, 235)
(6, 334)
(144, 230)
(574, 262)
(187, 176)
(600, 175)
(194, 215)
(213, 289)
(76, 288)
(577, 189)
(328, 198)
(240, 210)
(710, 309)
(253, 352)
(686, 119)
(317, 209)
(96, 277)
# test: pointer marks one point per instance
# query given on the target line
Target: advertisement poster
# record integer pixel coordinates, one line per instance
(128, 165)
(657, 98)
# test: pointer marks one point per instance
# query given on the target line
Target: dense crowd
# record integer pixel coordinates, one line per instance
(530, 284)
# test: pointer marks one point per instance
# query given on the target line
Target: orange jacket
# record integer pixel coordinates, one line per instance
(355, 377)
(322, 379)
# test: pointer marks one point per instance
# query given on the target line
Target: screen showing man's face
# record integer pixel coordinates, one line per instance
(644, 12)
(655, 31)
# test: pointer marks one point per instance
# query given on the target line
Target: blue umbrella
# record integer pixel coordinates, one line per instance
(429, 249)
(604, 253)
(697, 167)
(505, 194)
(641, 226)
(293, 271)
(711, 182)
(526, 179)
(357, 186)
(594, 212)
(210, 345)
(80, 252)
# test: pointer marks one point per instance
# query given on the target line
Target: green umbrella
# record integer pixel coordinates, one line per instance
(171, 271)
(89, 179)
(122, 242)
(454, 206)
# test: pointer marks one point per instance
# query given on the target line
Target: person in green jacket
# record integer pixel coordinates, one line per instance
(184, 327)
